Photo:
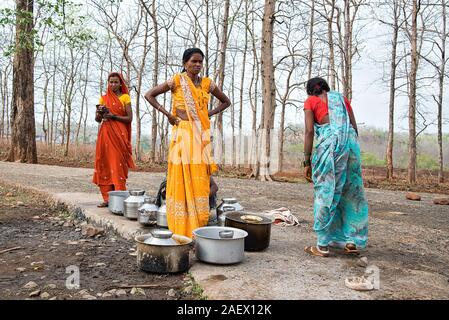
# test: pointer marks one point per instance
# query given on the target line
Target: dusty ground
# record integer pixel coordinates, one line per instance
(50, 240)
(408, 241)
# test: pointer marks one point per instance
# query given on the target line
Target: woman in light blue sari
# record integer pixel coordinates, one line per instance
(340, 207)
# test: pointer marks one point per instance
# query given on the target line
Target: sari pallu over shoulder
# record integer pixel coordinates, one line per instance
(340, 207)
(189, 166)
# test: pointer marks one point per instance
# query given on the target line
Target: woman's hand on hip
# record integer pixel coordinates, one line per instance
(308, 173)
(174, 121)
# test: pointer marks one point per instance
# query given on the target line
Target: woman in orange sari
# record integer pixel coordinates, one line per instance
(113, 154)
(190, 164)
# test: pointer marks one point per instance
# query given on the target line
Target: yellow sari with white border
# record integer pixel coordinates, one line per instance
(189, 160)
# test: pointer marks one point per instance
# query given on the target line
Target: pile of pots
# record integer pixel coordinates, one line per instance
(237, 231)
(135, 205)
(161, 251)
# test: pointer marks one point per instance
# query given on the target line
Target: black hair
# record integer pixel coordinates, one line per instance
(189, 53)
(316, 86)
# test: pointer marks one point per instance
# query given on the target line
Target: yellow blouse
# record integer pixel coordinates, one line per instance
(206, 86)
(124, 98)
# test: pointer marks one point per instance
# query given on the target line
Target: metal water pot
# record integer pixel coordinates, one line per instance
(133, 203)
(162, 216)
(148, 212)
(227, 204)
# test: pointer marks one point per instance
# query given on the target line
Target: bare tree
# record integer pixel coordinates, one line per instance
(268, 89)
(23, 141)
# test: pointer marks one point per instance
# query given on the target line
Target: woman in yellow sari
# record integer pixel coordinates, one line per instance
(190, 164)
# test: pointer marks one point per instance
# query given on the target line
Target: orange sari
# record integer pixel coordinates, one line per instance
(189, 161)
(113, 154)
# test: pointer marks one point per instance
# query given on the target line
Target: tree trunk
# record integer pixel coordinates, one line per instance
(310, 58)
(221, 71)
(23, 142)
(412, 96)
(155, 80)
(242, 81)
(330, 39)
(390, 144)
(268, 88)
(440, 94)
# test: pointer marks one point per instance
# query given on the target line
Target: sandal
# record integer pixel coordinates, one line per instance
(351, 248)
(315, 251)
(103, 205)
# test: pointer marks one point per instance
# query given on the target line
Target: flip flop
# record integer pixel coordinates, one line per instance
(315, 251)
(103, 205)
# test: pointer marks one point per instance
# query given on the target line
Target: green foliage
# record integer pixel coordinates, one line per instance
(425, 161)
(370, 160)
(61, 18)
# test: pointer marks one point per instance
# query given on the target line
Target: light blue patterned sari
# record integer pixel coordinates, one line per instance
(340, 207)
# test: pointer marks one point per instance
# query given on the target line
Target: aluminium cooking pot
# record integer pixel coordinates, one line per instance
(116, 199)
(220, 245)
(257, 226)
(161, 251)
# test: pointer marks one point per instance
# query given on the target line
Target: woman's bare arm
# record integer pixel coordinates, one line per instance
(225, 102)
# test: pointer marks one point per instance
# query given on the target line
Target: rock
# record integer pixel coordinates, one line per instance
(53, 298)
(43, 277)
(30, 285)
(138, 291)
(21, 269)
(36, 217)
(89, 297)
(78, 229)
(83, 292)
(115, 281)
(9, 194)
(99, 294)
(72, 242)
(107, 295)
(188, 290)
(413, 196)
(35, 293)
(45, 295)
(112, 291)
(134, 254)
(50, 286)
(79, 254)
(120, 293)
(20, 203)
(363, 262)
(171, 293)
(441, 201)
(100, 264)
(90, 231)
(67, 224)
(37, 263)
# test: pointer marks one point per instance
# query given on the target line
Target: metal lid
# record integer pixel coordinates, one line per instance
(216, 233)
(248, 218)
(229, 200)
(148, 207)
(149, 200)
(161, 238)
(136, 192)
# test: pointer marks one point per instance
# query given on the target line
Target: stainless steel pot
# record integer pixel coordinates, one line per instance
(116, 199)
(147, 213)
(162, 216)
(158, 256)
(220, 246)
(133, 203)
(227, 204)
